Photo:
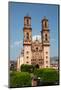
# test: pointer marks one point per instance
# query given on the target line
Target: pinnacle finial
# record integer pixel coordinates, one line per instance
(36, 38)
(44, 18)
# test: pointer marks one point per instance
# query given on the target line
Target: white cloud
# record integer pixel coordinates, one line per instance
(52, 41)
(38, 37)
(16, 43)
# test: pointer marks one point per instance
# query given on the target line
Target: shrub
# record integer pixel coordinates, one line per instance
(20, 79)
(48, 75)
(27, 68)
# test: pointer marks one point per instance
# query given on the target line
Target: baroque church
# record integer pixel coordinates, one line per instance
(35, 52)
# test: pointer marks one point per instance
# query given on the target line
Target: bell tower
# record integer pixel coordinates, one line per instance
(27, 30)
(46, 42)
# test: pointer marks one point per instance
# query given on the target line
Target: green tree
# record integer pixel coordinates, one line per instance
(20, 79)
(27, 68)
(48, 75)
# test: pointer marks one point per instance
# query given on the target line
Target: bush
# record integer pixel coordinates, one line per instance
(48, 75)
(27, 68)
(20, 79)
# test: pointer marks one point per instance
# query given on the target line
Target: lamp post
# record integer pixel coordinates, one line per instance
(39, 81)
(38, 78)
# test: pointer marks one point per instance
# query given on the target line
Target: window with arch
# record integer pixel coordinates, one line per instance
(46, 37)
(36, 48)
(27, 22)
(46, 57)
(27, 35)
(27, 52)
(45, 24)
(46, 62)
(27, 57)
(46, 52)
(46, 66)
(27, 62)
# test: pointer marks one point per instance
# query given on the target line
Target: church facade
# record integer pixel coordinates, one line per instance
(35, 52)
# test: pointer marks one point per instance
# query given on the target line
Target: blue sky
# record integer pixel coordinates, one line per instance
(17, 11)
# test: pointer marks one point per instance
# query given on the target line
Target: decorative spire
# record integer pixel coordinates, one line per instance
(44, 18)
(36, 38)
